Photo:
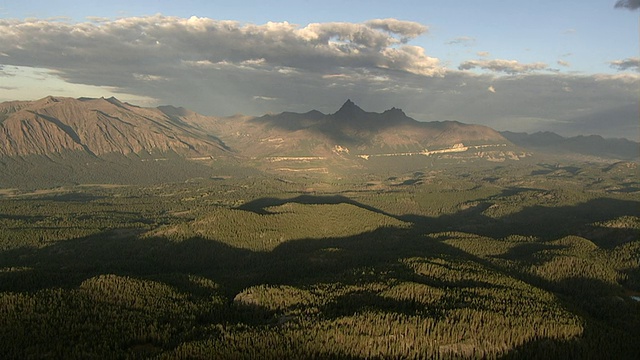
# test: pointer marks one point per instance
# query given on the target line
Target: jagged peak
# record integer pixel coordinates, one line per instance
(49, 99)
(113, 100)
(395, 110)
(349, 108)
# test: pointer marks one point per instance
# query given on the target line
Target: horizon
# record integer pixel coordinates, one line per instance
(538, 67)
(328, 114)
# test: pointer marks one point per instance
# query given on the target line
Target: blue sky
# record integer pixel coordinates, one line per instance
(463, 52)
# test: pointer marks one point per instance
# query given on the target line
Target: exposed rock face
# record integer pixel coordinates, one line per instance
(98, 127)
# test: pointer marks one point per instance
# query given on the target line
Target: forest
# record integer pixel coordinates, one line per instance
(503, 261)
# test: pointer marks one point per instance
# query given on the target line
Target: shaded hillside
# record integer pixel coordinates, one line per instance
(391, 130)
(59, 141)
(55, 125)
(593, 145)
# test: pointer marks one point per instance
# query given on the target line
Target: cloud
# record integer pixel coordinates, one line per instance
(462, 40)
(491, 89)
(159, 42)
(148, 77)
(225, 67)
(626, 64)
(563, 63)
(483, 53)
(406, 29)
(505, 66)
(264, 98)
(628, 4)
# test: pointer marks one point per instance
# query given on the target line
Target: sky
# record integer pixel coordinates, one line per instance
(568, 66)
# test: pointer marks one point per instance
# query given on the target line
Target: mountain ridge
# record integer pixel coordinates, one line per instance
(100, 128)
(96, 126)
(589, 145)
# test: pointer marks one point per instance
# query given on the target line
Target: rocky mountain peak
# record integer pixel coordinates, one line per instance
(394, 111)
(349, 108)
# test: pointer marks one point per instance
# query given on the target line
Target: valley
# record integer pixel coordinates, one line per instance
(129, 232)
(508, 260)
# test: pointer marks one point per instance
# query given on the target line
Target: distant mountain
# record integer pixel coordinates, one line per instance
(349, 130)
(58, 140)
(55, 125)
(593, 145)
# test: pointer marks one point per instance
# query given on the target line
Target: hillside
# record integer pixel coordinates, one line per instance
(593, 145)
(56, 141)
(54, 125)
(390, 131)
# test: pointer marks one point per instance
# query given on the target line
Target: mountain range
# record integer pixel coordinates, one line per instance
(115, 135)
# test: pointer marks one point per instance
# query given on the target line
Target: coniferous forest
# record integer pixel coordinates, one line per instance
(500, 262)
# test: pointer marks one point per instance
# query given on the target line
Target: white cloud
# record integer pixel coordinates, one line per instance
(406, 29)
(563, 63)
(632, 63)
(483, 53)
(160, 41)
(225, 67)
(264, 98)
(148, 77)
(505, 66)
(412, 59)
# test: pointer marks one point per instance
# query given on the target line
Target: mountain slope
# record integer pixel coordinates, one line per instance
(54, 125)
(57, 140)
(349, 129)
(593, 145)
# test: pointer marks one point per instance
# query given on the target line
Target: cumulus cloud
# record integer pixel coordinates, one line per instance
(626, 64)
(412, 59)
(505, 66)
(225, 67)
(161, 42)
(406, 29)
(628, 4)
(563, 63)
